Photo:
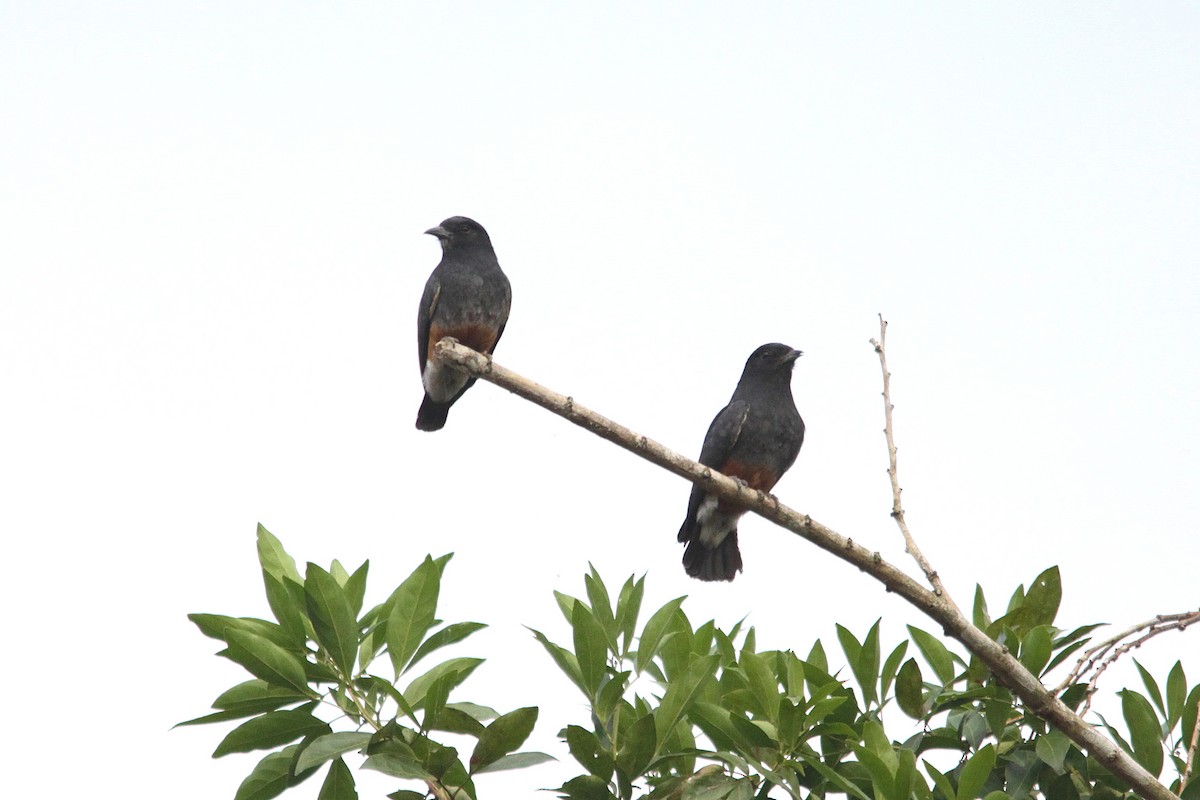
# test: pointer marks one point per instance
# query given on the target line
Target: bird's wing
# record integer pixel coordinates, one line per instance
(723, 433)
(429, 301)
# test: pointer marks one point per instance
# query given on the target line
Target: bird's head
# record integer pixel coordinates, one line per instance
(773, 358)
(459, 232)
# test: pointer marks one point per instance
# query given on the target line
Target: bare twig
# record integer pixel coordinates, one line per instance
(1101, 656)
(910, 544)
(997, 658)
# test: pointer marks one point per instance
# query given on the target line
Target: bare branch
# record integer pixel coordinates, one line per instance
(910, 544)
(1099, 657)
(997, 658)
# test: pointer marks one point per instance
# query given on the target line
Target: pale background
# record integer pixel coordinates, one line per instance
(211, 256)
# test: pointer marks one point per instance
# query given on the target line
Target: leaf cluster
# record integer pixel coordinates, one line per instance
(314, 696)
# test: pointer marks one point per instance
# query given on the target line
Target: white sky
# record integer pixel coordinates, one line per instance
(211, 256)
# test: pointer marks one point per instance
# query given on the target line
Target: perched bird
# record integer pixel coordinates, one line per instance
(468, 297)
(755, 439)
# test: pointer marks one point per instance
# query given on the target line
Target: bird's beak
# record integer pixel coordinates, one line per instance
(792, 356)
(439, 232)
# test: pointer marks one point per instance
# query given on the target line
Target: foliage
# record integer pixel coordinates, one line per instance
(317, 656)
(678, 712)
(723, 720)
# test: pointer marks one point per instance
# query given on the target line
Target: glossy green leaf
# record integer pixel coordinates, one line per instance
(459, 668)
(215, 626)
(274, 559)
(629, 605)
(1176, 693)
(591, 649)
(979, 615)
(890, 667)
(638, 746)
(270, 777)
(266, 660)
(565, 659)
(763, 685)
(331, 746)
(397, 766)
(516, 761)
(356, 588)
(270, 730)
(939, 780)
(816, 657)
(1041, 602)
(1035, 648)
(1052, 747)
(339, 783)
(411, 610)
(286, 599)
(1144, 733)
(652, 635)
(612, 691)
(866, 667)
(909, 690)
(503, 736)
(682, 692)
(1191, 708)
(1151, 687)
(935, 653)
(332, 617)
(586, 787)
(451, 634)
(602, 610)
(975, 773)
(587, 750)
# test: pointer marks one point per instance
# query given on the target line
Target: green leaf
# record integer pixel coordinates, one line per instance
(909, 687)
(448, 635)
(1151, 687)
(461, 668)
(516, 761)
(332, 617)
(274, 559)
(975, 773)
(266, 660)
(763, 685)
(1176, 692)
(411, 613)
(339, 783)
(890, 667)
(652, 635)
(397, 766)
(503, 736)
(940, 780)
(286, 599)
(866, 668)
(270, 777)
(1039, 605)
(331, 746)
(270, 730)
(564, 658)
(590, 648)
(1144, 732)
(586, 787)
(216, 626)
(356, 588)
(1035, 648)
(1052, 748)
(629, 605)
(980, 615)
(639, 743)
(601, 606)
(816, 657)
(587, 750)
(682, 692)
(936, 654)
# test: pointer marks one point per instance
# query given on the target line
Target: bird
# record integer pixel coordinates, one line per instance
(467, 297)
(754, 439)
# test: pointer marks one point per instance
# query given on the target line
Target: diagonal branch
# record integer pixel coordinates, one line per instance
(997, 658)
(910, 544)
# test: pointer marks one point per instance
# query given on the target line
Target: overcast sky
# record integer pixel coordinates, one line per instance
(211, 254)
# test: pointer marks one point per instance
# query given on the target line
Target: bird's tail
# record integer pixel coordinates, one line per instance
(432, 415)
(720, 563)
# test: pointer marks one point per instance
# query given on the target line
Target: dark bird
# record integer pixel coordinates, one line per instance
(755, 439)
(468, 297)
